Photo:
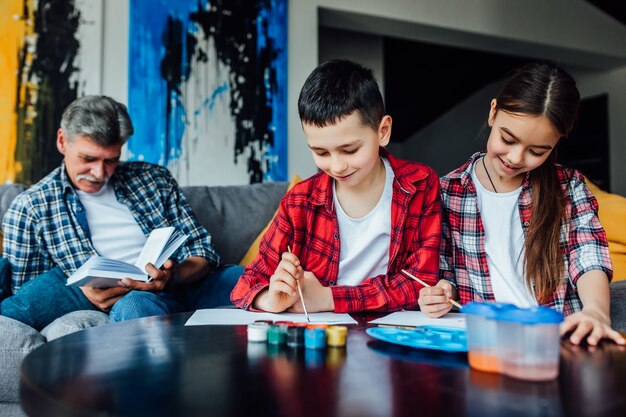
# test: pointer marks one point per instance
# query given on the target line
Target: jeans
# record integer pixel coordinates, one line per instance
(213, 291)
(45, 298)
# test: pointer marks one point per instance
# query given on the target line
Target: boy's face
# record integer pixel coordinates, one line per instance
(348, 150)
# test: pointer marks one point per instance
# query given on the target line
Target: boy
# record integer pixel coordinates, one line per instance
(347, 232)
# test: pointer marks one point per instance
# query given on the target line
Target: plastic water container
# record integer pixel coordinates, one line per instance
(482, 334)
(529, 343)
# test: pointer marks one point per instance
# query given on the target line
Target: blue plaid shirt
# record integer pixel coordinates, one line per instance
(46, 225)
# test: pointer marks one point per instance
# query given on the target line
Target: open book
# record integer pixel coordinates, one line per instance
(100, 272)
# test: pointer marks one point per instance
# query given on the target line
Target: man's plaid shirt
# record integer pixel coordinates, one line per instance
(463, 258)
(307, 221)
(46, 225)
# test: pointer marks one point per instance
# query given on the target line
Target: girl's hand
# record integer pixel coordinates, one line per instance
(316, 297)
(435, 301)
(591, 325)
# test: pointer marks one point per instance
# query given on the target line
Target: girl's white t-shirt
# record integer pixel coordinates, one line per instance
(504, 244)
(365, 241)
(115, 233)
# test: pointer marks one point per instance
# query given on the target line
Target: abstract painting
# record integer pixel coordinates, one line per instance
(42, 70)
(207, 88)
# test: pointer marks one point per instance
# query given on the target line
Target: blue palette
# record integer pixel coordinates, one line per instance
(424, 337)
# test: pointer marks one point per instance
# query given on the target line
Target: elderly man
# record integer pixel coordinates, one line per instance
(95, 204)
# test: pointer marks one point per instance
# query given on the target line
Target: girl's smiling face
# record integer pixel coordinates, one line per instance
(518, 143)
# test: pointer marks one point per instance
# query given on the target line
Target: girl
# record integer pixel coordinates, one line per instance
(519, 228)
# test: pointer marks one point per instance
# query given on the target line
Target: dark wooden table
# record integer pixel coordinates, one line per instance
(157, 367)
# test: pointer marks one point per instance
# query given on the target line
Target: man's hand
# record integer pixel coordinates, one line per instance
(435, 301)
(283, 291)
(104, 298)
(316, 296)
(160, 278)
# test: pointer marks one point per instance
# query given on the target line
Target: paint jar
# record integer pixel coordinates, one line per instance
(295, 335)
(336, 336)
(257, 332)
(284, 325)
(315, 338)
(276, 335)
(529, 343)
(482, 334)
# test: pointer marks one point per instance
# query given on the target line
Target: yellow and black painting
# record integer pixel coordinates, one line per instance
(38, 49)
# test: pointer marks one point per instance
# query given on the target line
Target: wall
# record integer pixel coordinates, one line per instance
(359, 47)
(533, 28)
(115, 50)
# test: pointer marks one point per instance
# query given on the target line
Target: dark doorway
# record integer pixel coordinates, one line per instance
(587, 148)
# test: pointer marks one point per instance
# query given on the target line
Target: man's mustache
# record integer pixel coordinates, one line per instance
(91, 178)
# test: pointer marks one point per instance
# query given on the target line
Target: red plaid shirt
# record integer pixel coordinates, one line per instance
(463, 257)
(307, 221)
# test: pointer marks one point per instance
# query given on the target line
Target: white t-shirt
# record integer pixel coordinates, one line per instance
(365, 241)
(504, 244)
(114, 232)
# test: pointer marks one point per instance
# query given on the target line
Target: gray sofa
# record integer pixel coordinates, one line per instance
(233, 215)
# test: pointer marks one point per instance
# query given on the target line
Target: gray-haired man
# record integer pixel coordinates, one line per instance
(93, 203)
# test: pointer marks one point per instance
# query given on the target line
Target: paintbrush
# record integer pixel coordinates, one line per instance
(306, 314)
(408, 274)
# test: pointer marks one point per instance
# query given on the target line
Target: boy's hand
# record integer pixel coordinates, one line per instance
(435, 301)
(316, 297)
(590, 325)
(283, 291)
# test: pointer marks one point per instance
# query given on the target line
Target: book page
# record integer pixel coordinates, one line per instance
(234, 316)
(175, 240)
(154, 247)
(101, 272)
(417, 318)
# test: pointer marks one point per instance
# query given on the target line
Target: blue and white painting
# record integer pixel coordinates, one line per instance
(207, 89)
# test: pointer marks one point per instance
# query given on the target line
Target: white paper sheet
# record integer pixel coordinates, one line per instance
(233, 316)
(417, 318)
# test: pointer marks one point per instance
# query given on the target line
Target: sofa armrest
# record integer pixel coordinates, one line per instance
(16, 341)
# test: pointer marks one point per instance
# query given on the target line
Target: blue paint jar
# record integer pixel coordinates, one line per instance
(315, 338)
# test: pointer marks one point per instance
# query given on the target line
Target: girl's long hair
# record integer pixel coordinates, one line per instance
(543, 89)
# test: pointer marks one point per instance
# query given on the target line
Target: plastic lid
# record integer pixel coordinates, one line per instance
(490, 310)
(423, 337)
(534, 315)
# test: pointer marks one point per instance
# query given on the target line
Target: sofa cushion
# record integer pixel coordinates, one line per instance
(253, 250)
(11, 410)
(5, 278)
(234, 215)
(612, 214)
(73, 322)
(618, 306)
(16, 341)
(7, 193)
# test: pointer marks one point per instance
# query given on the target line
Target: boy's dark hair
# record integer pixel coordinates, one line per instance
(338, 88)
